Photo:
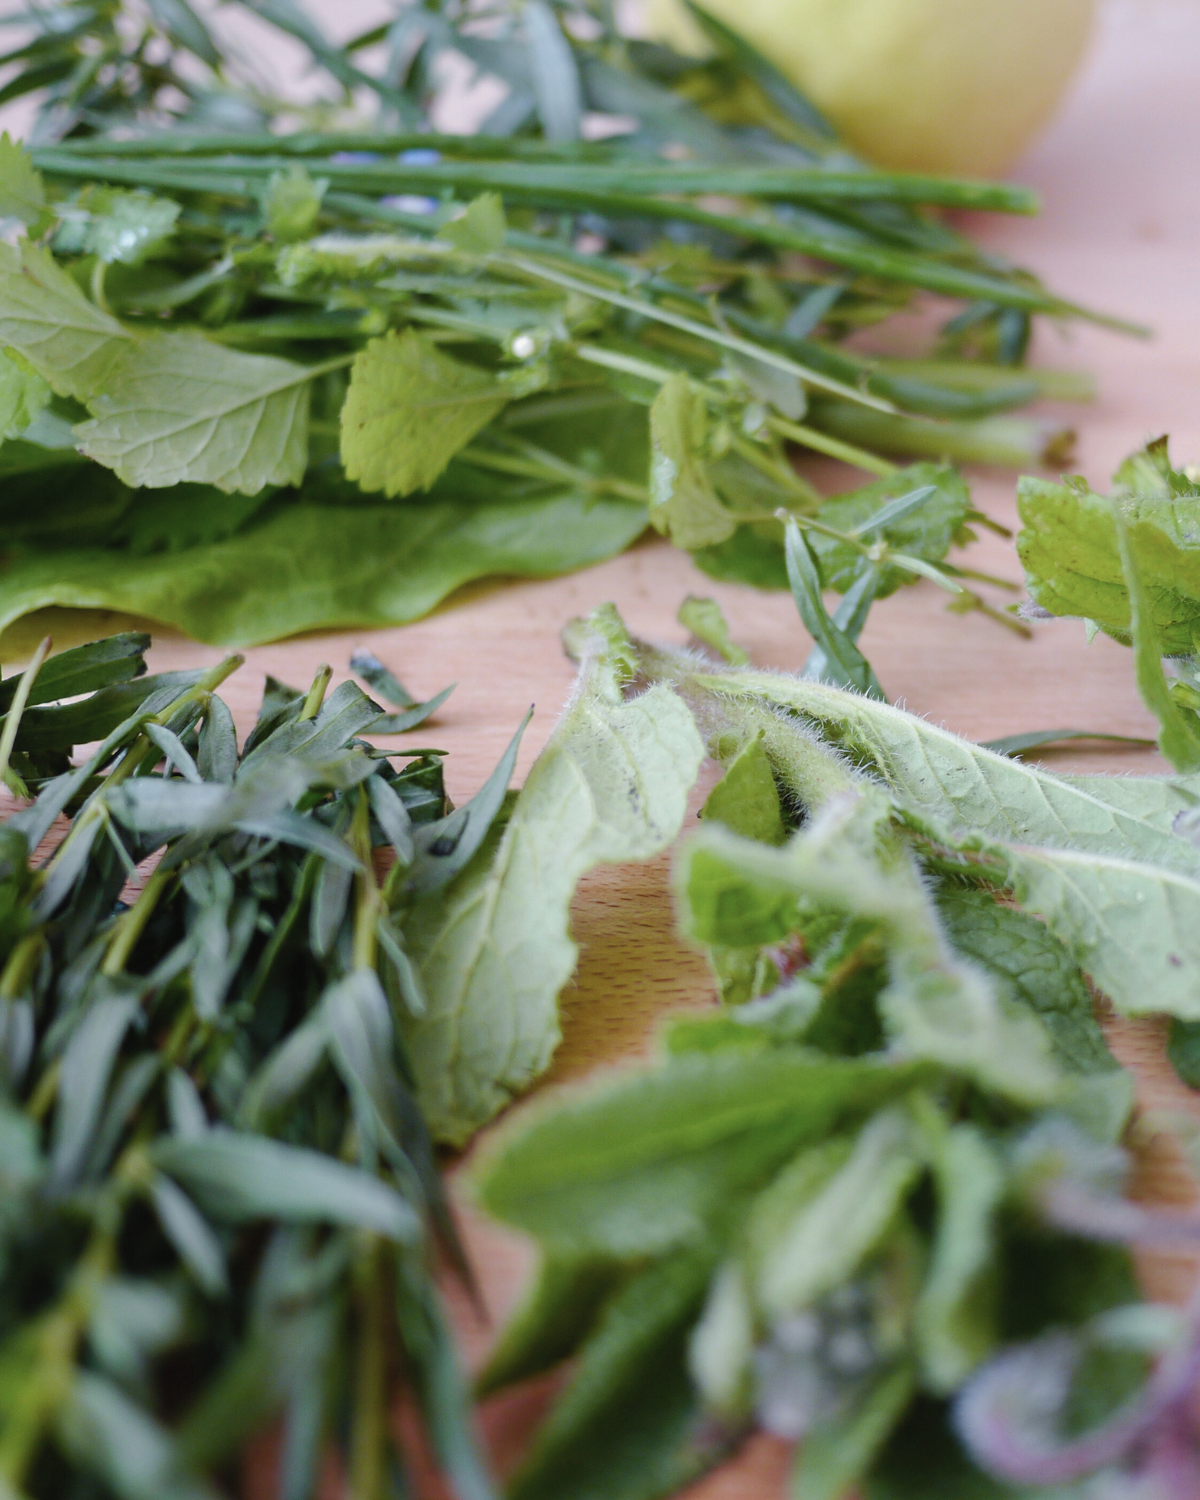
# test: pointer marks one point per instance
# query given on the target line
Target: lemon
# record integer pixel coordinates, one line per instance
(927, 85)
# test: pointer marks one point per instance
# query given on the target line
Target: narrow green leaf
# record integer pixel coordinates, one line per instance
(703, 617)
(835, 1456)
(683, 501)
(844, 663)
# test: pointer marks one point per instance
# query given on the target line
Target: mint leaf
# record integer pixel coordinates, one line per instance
(683, 501)
(494, 952)
(746, 798)
(1031, 967)
(408, 411)
(328, 566)
(22, 193)
(956, 1315)
(177, 407)
(646, 1162)
(46, 318)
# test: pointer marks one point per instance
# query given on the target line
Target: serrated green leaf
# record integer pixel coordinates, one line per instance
(1029, 964)
(481, 228)
(330, 567)
(493, 954)
(683, 501)
(46, 318)
(1072, 559)
(23, 394)
(408, 411)
(177, 407)
(127, 228)
(736, 892)
(292, 203)
(22, 193)
(646, 1163)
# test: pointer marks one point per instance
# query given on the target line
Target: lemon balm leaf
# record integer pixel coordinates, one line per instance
(179, 408)
(45, 317)
(408, 411)
(22, 192)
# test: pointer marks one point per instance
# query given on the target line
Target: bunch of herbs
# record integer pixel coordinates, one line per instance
(317, 370)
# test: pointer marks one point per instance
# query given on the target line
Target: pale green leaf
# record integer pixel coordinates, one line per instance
(1134, 928)
(611, 784)
(823, 1234)
(959, 785)
(44, 316)
(178, 407)
(292, 203)
(22, 195)
(683, 501)
(721, 1348)
(408, 411)
(703, 617)
(956, 1313)
(746, 798)
(480, 229)
(328, 567)
(646, 1162)
(23, 394)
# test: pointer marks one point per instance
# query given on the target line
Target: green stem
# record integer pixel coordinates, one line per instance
(131, 924)
(368, 1435)
(316, 694)
(21, 966)
(12, 720)
(369, 908)
(832, 447)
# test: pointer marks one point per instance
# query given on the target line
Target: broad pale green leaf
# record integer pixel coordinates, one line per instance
(177, 407)
(408, 411)
(959, 786)
(807, 1242)
(292, 202)
(611, 784)
(22, 194)
(683, 501)
(311, 567)
(1069, 548)
(644, 1163)
(1179, 727)
(1134, 928)
(45, 317)
(23, 394)
(955, 1324)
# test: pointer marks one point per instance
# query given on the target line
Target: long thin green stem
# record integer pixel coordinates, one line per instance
(12, 720)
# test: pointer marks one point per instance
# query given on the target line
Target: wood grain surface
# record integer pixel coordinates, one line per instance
(1120, 230)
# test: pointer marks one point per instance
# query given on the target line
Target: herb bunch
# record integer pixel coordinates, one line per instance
(830, 1207)
(218, 1196)
(385, 361)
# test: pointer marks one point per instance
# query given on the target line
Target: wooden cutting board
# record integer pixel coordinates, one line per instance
(1121, 231)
